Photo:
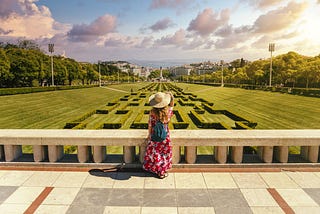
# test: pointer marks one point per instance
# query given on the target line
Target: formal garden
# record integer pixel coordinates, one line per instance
(125, 106)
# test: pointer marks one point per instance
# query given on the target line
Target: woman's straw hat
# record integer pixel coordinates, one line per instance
(159, 100)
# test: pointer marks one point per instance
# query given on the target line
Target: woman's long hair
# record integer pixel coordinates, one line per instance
(161, 113)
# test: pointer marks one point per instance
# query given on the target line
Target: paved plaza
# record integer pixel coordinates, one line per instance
(96, 191)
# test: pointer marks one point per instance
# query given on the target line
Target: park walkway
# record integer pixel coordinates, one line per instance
(98, 191)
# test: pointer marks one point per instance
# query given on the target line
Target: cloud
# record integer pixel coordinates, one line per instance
(26, 19)
(161, 25)
(157, 4)
(119, 40)
(19, 8)
(280, 19)
(5, 32)
(261, 4)
(177, 39)
(207, 21)
(8, 7)
(99, 27)
(224, 31)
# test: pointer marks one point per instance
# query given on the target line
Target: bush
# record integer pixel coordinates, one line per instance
(182, 121)
(85, 116)
(71, 125)
(118, 125)
(200, 123)
(111, 104)
(102, 111)
(182, 103)
(26, 90)
(137, 124)
(240, 125)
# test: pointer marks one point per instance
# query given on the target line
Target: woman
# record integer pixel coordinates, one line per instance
(158, 157)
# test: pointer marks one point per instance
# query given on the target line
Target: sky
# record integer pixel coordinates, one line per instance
(164, 30)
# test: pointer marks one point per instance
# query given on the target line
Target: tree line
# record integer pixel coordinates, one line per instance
(25, 65)
(289, 70)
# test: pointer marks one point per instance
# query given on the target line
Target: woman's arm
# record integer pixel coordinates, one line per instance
(171, 104)
(149, 127)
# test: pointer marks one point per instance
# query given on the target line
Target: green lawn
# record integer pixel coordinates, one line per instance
(270, 110)
(51, 110)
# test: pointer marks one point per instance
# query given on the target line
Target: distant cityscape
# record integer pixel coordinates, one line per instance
(177, 68)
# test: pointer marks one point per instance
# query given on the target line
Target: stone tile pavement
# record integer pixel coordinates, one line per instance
(138, 192)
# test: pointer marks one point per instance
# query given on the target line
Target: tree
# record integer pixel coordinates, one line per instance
(73, 69)
(5, 75)
(24, 67)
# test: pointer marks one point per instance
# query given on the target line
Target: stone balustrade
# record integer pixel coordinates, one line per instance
(48, 144)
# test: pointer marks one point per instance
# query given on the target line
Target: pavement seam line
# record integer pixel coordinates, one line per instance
(36, 203)
(280, 201)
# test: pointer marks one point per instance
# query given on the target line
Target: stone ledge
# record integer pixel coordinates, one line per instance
(136, 167)
(179, 137)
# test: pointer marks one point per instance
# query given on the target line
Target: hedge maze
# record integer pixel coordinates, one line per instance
(132, 111)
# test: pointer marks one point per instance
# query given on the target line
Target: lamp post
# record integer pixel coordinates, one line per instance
(221, 63)
(118, 77)
(128, 76)
(271, 49)
(51, 50)
(99, 73)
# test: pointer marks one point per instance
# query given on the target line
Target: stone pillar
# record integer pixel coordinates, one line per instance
(83, 154)
(12, 152)
(190, 154)
(313, 154)
(99, 154)
(310, 153)
(220, 154)
(265, 153)
(237, 154)
(55, 153)
(142, 152)
(304, 152)
(281, 153)
(129, 153)
(176, 150)
(1, 152)
(40, 153)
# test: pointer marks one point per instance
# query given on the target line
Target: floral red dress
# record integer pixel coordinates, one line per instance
(158, 156)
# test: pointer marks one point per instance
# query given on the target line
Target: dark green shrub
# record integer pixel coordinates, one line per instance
(71, 125)
(102, 111)
(124, 111)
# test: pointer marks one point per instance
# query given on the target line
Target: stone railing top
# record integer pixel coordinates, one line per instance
(179, 137)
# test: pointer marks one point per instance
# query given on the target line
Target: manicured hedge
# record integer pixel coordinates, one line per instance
(182, 121)
(208, 108)
(137, 124)
(26, 90)
(71, 125)
(122, 111)
(102, 111)
(241, 125)
(75, 125)
(112, 104)
(181, 102)
(118, 125)
(85, 116)
(200, 123)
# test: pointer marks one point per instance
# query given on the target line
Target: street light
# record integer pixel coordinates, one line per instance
(128, 76)
(118, 77)
(99, 73)
(221, 63)
(51, 50)
(271, 49)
